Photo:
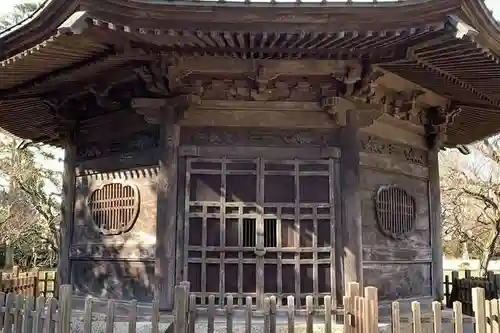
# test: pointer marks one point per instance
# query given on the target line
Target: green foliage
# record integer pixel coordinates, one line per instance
(20, 12)
(29, 203)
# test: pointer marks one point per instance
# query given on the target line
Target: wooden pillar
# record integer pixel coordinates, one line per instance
(67, 212)
(435, 224)
(351, 201)
(167, 209)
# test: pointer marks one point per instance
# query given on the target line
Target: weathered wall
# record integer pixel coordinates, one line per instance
(400, 268)
(118, 265)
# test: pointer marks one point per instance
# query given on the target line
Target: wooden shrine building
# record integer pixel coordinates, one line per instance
(252, 148)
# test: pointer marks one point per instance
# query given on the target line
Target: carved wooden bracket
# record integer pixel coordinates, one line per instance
(152, 108)
(363, 114)
(161, 74)
(436, 121)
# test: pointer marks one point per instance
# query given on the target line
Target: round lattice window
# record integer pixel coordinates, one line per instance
(114, 207)
(395, 211)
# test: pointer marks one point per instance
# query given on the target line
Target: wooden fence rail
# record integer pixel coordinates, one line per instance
(25, 314)
(33, 283)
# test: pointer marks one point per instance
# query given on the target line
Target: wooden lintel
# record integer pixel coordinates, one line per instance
(152, 108)
(228, 66)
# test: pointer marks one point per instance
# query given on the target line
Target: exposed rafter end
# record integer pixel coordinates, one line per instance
(461, 28)
(75, 24)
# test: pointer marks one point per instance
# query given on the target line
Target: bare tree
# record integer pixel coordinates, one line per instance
(471, 201)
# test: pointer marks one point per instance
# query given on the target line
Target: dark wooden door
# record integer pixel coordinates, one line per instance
(260, 227)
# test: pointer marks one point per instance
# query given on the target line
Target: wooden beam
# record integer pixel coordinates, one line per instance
(67, 212)
(167, 210)
(435, 225)
(351, 202)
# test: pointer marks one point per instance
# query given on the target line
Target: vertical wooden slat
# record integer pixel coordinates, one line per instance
(229, 314)
(266, 308)
(272, 314)
(478, 305)
(180, 310)
(417, 317)
(487, 309)
(371, 293)
(65, 297)
(110, 316)
(309, 314)
(9, 306)
(495, 327)
(211, 314)
(28, 317)
(38, 317)
(18, 316)
(347, 314)
(192, 314)
(87, 316)
(50, 324)
(248, 315)
(2, 304)
(328, 314)
(290, 302)
(458, 317)
(132, 316)
(155, 317)
(436, 314)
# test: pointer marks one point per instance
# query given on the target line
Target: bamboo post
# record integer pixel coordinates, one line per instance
(478, 306)
(132, 317)
(487, 312)
(192, 314)
(50, 324)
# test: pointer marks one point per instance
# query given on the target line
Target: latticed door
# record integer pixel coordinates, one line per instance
(257, 227)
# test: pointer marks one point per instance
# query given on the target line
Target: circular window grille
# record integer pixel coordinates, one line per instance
(114, 207)
(395, 211)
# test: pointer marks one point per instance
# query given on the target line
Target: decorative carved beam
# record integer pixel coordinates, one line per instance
(363, 114)
(151, 108)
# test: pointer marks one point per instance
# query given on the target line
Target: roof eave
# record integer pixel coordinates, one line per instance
(37, 27)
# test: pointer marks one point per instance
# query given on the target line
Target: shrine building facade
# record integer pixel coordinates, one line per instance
(251, 148)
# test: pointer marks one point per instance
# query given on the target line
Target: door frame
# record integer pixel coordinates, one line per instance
(262, 153)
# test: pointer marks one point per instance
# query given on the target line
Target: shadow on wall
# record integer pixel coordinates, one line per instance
(113, 245)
